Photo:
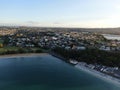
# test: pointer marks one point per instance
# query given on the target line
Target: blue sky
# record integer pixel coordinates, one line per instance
(60, 13)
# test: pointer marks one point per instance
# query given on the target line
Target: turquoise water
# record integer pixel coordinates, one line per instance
(46, 73)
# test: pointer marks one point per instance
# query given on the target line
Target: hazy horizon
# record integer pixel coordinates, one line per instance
(60, 13)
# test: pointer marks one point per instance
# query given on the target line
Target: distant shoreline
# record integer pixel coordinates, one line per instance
(22, 55)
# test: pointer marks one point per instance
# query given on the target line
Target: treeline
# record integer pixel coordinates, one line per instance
(91, 56)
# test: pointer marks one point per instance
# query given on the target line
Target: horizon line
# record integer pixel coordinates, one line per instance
(59, 27)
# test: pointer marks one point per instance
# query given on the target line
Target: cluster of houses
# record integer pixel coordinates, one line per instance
(7, 31)
(45, 40)
(114, 71)
(112, 45)
(61, 40)
(67, 40)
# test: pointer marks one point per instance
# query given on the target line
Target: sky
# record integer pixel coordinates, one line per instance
(61, 13)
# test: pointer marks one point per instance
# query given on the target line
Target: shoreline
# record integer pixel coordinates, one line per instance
(93, 72)
(22, 55)
(99, 75)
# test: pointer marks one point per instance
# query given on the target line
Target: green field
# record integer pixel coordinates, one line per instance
(17, 50)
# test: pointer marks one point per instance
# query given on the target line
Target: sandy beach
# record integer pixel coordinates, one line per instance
(100, 75)
(22, 55)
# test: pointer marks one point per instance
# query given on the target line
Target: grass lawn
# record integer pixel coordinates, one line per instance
(15, 50)
(8, 48)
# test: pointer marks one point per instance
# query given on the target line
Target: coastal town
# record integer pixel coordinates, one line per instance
(50, 39)
(68, 40)
(59, 44)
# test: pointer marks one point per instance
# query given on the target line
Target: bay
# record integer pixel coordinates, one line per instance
(46, 73)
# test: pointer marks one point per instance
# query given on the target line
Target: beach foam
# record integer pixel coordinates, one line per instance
(100, 75)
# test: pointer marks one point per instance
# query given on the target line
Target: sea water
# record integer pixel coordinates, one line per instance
(46, 73)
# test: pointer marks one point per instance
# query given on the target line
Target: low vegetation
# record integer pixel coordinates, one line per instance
(18, 50)
(91, 56)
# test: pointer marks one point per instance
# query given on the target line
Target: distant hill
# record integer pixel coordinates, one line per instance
(103, 30)
(97, 30)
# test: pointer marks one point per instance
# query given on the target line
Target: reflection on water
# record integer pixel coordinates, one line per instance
(111, 37)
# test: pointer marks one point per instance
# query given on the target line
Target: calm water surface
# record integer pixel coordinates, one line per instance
(111, 37)
(46, 73)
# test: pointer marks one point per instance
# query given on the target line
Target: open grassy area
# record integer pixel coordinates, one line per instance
(4, 49)
(16, 50)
